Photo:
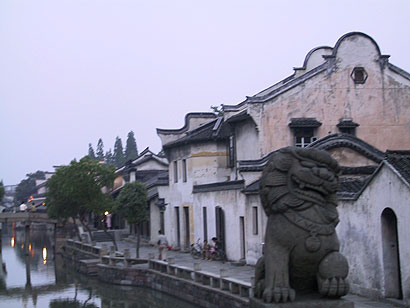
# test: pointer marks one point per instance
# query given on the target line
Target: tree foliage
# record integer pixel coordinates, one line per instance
(100, 150)
(91, 153)
(2, 191)
(119, 158)
(132, 203)
(109, 158)
(218, 110)
(76, 189)
(27, 187)
(131, 151)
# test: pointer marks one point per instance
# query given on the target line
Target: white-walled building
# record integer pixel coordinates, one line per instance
(347, 99)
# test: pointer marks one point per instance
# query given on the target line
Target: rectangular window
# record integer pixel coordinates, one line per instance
(184, 175)
(304, 136)
(175, 171)
(348, 130)
(205, 223)
(255, 220)
(231, 152)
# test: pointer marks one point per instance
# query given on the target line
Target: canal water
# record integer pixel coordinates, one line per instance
(32, 276)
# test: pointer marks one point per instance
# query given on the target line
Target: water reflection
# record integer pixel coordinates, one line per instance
(38, 278)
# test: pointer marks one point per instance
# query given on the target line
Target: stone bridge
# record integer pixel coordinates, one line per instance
(27, 217)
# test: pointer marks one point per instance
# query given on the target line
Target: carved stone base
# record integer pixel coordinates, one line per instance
(311, 301)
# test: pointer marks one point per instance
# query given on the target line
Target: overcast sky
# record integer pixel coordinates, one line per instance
(74, 71)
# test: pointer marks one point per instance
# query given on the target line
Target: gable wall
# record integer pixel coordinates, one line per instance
(360, 235)
(381, 106)
(151, 165)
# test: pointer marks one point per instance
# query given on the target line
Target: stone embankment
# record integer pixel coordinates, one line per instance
(194, 285)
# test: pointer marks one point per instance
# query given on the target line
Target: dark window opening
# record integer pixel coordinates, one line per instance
(255, 220)
(184, 175)
(175, 171)
(347, 126)
(304, 130)
(348, 130)
(231, 152)
(304, 136)
(359, 75)
(205, 223)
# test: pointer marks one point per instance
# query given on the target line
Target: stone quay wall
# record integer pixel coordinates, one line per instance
(196, 293)
(192, 285)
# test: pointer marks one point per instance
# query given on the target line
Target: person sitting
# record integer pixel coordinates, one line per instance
(205, 250)
(215, 246)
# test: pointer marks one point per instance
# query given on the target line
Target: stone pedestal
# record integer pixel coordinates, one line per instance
(311, 301)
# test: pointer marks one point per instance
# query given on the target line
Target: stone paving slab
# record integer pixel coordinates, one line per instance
(243, 273)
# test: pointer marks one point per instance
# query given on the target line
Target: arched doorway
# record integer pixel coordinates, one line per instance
(391, 255)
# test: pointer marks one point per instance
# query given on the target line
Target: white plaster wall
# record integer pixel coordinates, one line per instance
(154, 221)
(250, 177)
(233, 204)
(152, 164)
(359, 232)
(314, 60)
(254, 241)
(247, 145)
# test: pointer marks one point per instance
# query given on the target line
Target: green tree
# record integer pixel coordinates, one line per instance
(119, 158)
(131, 151)
(27, 187)
(109, 158)
(91, 153)
(218, 110)
(77, 189)
(100, 150)
(2, 191)
(132, 205)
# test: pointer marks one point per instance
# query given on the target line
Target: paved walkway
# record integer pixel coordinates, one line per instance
(243, 273)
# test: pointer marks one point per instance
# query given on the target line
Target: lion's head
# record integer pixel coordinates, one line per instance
(296, 178)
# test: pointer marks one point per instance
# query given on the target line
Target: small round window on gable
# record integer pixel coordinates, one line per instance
(359, 75)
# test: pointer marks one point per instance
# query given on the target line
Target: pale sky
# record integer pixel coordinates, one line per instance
(74, 71)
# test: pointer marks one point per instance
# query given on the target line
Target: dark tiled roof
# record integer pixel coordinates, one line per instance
(186, 127)
(304, 122)
(241, 116)
(150, 178)
(348, 141)
(252, 188)
(160, 179)
(213, 130)
(400, 160)
(231, 185)
(349, 189)
(358, 170)
(347, 123)
(254, 165)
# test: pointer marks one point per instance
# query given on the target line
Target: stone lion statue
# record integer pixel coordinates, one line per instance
(301, 252)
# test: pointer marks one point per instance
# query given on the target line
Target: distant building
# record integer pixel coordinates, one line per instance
(152, 170)
(8, 199)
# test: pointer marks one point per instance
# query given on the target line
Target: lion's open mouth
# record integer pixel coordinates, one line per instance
(304, 185)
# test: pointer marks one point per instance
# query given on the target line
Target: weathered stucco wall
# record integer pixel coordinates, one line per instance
(152, 165)
(381, 105)
(350, 158)
(247, 141)
(360, 233)
(254, 240)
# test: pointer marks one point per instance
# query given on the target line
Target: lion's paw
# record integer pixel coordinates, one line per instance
(333, 287)
(278, 295)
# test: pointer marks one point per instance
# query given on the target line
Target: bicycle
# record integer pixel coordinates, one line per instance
(196, 249)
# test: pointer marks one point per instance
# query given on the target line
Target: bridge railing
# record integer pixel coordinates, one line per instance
(26, 216)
